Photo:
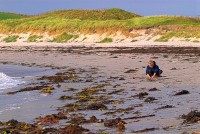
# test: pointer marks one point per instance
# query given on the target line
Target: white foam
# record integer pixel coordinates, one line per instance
(9, 82)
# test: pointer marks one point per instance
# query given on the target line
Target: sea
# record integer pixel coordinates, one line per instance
(25, 105)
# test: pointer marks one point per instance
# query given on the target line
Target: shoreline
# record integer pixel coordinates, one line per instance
(83, 44)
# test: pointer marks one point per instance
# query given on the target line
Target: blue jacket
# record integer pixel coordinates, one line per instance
(153, 70)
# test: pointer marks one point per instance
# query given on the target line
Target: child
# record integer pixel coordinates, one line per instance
(152, 70)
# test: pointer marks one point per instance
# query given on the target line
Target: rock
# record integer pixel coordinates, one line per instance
(121, 78)
(183, 92)
(153, 89)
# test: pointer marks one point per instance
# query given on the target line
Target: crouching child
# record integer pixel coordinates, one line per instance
(152, 70)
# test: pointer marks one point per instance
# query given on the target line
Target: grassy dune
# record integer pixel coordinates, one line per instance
(103, 21)
(4, 16)
(108, 14)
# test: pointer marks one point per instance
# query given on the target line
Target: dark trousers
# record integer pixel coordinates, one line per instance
(157, 74)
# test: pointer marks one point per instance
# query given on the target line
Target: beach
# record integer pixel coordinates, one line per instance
(106, 83)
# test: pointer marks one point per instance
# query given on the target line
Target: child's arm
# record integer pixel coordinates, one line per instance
(148, 76)
(154, 76)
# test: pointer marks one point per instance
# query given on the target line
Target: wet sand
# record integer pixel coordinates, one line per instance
(109, 83)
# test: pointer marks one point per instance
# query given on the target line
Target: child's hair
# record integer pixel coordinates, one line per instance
(151, 62)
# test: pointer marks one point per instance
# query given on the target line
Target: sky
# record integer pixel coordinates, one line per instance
(142, 7)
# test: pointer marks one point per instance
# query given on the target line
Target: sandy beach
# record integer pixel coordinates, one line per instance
(108, 83)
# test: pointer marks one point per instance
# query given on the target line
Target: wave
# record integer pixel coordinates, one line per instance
(9, 82)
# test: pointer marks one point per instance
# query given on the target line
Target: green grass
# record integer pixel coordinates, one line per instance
(106, 40)
(108, 14)
(196, 41)
(84, 38)
(166, 37)
(64, 37)
(121, 40)
(107, 21)
(34, 38)
(12, 38)
(134, 40)
(4, 16)
(56, 25)
(180, 33)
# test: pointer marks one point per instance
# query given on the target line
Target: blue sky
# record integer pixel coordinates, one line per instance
(143, 7)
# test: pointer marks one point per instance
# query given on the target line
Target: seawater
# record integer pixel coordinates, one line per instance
(25, 105)
(9, 82)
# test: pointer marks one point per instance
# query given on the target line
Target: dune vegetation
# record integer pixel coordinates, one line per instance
(106, 40)
(108, 14)
(12, 38)
(4, 16)
(34, 38)
(109, 22)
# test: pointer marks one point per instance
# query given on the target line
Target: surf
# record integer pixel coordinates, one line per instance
(8, 82)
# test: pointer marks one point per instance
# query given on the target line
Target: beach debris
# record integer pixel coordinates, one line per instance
(96, 106)
(51, 119)
(89, 80)
(78, 120)
(72, 89)
(139, 117)
(64, 97)
(122, 78)
(117, 102)
(73, 129)
(141, 95)
(47, 90)
(26, 89)
(86, 92)
(165, 56)
(71, 107)
(183, 92)
(150, 99)
(50, 130)
(153, 89)
(69, 76)
(173, 68)
(166, 106)
(113, 122)
(120, 126)
(131, 71)
(93, 119)
(120, 110)
(191, 117)
(117, 85)
(195, 133)
(47, 120)
(13, 126)
(116, 91)
(145, 130)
